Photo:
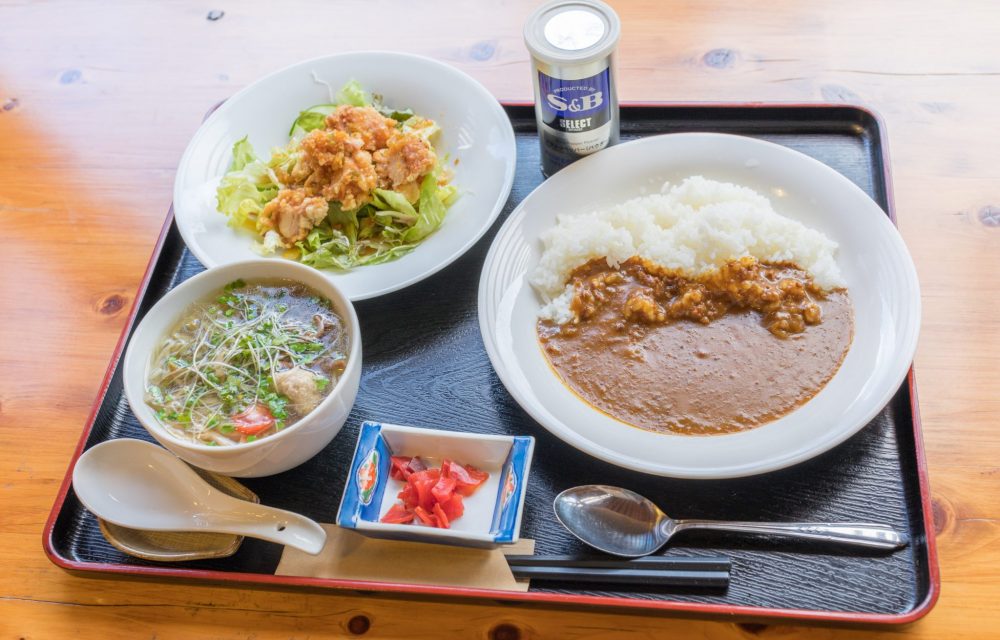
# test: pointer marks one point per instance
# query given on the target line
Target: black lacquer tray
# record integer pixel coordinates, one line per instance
(425, 365)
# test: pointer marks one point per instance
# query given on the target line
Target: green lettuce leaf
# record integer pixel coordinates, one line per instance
(284, 159)
(423, 127)
(396, 205)
(242, 154)
(243, 192)
(324, 258)
(232, 191)
(354, 94)
(448, 194)
(269, 244)
(431, 209)
(386, 255)
(399, 115)
(348, 221)
(312, 118)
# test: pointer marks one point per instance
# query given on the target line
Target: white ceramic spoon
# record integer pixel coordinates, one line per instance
(140, 485)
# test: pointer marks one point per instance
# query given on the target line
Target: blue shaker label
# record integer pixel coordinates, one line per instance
(573, 106)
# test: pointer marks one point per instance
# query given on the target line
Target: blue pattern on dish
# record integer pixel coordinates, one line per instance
(352, 506)
(505, 520)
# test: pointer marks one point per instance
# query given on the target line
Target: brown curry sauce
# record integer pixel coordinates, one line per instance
(721, 353)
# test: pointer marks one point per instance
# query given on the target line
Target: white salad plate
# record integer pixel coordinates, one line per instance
(874, 261)
(475, 131)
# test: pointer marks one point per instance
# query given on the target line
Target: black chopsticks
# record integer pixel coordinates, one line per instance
(704, 572)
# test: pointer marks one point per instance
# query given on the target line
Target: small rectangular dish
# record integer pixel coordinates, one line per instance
(492, 514)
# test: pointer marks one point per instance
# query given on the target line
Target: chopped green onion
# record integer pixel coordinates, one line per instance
(157, 394)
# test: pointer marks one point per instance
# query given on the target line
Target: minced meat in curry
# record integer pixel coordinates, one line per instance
(735, 348)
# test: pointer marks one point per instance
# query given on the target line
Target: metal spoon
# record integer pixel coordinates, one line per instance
(142, 486)
(623, 523)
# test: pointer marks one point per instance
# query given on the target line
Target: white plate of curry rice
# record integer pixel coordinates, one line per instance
(376, 168)
(700, 306)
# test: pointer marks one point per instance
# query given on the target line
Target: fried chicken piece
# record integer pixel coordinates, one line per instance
(336, 166)
(359, 151)
(293, 215)
(373, 128)
(406, 158)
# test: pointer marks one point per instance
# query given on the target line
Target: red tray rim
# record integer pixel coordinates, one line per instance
(707, 609)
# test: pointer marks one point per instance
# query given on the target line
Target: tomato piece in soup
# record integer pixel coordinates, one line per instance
(254, 420)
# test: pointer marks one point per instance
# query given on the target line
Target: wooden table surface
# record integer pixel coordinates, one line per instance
(97, 102)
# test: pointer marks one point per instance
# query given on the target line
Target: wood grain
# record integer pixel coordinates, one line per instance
(98, 101)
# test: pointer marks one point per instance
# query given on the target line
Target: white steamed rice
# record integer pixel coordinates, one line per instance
(694, 227)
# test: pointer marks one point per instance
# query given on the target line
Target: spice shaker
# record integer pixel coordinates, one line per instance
(573, 45)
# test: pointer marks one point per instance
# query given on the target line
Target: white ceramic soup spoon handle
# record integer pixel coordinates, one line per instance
(266, 523)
